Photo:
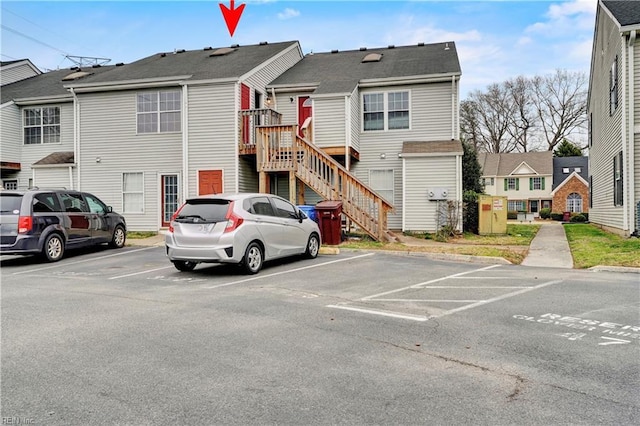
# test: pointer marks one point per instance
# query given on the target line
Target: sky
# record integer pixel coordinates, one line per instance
(496, 40)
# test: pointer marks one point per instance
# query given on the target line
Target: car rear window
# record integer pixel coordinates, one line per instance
(204, 210)
(10, 203)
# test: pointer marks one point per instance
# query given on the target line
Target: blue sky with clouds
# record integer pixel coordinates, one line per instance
(496, 40)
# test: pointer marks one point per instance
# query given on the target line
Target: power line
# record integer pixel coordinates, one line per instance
(33, 39)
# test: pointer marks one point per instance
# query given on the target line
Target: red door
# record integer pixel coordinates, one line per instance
(209, 182)
(304, 112)
(245, 103)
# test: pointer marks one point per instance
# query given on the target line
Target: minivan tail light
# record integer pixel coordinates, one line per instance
(175, 215)
(25, 224)
(233, 220)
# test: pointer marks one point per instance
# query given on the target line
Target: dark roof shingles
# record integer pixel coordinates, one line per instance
(626, 12)
(571, 163)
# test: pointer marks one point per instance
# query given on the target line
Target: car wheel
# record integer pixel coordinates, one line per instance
(53, 249)
(253, 259)
(183, 265)
(313, 246)
(119, 237)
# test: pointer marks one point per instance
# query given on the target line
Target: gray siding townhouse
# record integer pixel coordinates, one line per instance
(525, 178)
(614, 117)
(12, 71)
(390, 116)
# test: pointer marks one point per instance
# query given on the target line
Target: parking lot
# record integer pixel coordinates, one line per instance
(121, 337)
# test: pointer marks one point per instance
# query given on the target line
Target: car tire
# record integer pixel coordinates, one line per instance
(53, 249)
(313, 247)
(119, 237)
(253, 258)
(184, 265)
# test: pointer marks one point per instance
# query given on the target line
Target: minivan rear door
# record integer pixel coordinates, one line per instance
(76, 218)
(9, 216)
(200, 222)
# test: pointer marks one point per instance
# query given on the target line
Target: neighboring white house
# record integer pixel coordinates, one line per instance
(526, 179)
(614, 117)
(144, 136)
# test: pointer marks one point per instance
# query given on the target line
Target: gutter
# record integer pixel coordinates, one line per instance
(76, 135)
(127, 84)
(631, 127)
(624, 135)
(185, 142)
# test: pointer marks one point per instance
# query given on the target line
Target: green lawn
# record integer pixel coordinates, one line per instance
(136, 235)
(591, 246)
(517, 235)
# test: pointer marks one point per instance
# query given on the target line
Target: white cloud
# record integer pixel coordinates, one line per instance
(288, 13)
(565, 18)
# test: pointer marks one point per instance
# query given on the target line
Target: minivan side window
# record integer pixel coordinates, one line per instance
(261, 206)
(73, 203)
(95, 205)
(284, 209)
(46, 203)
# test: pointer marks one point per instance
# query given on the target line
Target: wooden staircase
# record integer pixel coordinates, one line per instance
(280, 148)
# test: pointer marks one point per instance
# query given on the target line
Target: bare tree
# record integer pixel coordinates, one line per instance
(561, 103)
(522, 115)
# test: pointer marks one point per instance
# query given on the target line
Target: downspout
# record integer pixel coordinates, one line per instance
(404, 194)
(76, 138)
(631, 126)
(453, 107)
(625, 157)
(185, 142)
(273, 99)
(347, 132)
(459, 195)
(236, 138)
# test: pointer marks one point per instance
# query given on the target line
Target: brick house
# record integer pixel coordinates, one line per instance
(570, 185)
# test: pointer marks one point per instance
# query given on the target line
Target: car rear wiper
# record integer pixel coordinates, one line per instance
(194, 218)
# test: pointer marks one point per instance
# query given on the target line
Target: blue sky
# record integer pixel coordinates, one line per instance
(496, 40)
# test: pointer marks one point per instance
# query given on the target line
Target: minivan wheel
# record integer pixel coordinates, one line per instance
(119, 237)
(53, 249)
(313, 246)
(253, 259)
(184, 265)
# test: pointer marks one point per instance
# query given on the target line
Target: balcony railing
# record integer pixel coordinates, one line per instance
(248, 120)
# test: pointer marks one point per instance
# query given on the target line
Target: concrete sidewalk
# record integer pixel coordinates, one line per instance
(549, 248)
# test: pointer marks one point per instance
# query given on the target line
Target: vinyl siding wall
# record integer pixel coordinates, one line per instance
(329, 122)
(606, 129)
(422, 173)
(32, 153)
(16, 73)
(430, 112)
(55, 177)
(523, 192)
(636, 125)
(10, 133)
(354, 103)
(108, 131)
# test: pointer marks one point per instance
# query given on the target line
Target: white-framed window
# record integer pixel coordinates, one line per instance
(133, 192)
(381, 180)
(613, 87)
(488, 181)
(565, 170)
(159, 112)
(515, 205)
(385, 111)
(10, 184)
(537, 183)
(574, 203)
(41, 125)
(618, 180)
(512, 184)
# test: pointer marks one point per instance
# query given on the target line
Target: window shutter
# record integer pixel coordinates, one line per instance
(506, 182)
(530, 184)
(517, 184)
(543, 183)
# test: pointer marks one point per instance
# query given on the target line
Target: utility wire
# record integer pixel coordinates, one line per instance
(4, 27)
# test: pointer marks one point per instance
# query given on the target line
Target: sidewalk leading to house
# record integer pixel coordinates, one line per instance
(549, 248)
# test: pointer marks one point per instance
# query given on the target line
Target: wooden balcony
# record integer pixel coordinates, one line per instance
(248, 120)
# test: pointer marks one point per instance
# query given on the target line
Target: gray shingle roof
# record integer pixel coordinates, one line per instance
(571, 163)
(340, 72)
(432, 147)
(503, 164)
(56, 158)
(626, 12)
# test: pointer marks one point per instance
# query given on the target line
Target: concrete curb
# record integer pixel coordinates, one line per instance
(443, 256)
(604, 268)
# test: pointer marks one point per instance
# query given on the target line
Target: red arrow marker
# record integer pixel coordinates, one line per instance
(231, 16)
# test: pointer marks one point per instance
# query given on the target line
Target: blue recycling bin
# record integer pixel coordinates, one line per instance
(310, 211)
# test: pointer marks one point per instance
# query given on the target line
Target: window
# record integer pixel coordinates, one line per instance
(515, 205)
(578, 169)
(159, 112)
(41, 125)
(95, 205)
(613, 87)
(74, 203)
(385, 111)
(511, 184)
(565, 170)
(284, 209)
(618, 180)
(590, 135)
(488, 181)
(10, 184)
(536, 183)
(382, 182)
(46, 203)
(259, 205)
(590, 191)
(133, 192)
(574, 203)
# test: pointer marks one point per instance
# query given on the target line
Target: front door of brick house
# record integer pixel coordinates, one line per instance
(209, 182)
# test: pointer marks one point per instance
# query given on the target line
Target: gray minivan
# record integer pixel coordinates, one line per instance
(47, 222)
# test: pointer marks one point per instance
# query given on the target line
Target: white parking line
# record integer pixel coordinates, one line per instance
(429, 282)
(382, 313)
(287, 271)
(57, 265)
(141, 272)
(429, 300)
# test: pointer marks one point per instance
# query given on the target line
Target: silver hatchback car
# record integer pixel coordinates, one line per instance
(246, 229)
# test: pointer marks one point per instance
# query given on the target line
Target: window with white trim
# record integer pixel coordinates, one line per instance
(10, 184)
(618, 180)
(574, 203)
(41, 125)
(613, 87)
(488, 181)
(385, 111)
(536, 182)
(159, 112)
(512, 184)
(133, 192)
(381, 181)
(515, 205)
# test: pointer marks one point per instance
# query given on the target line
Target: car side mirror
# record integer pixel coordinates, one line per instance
(109, 209)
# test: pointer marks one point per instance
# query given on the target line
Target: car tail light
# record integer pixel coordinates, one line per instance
(233, 220)
(25, 224)
(171, 229)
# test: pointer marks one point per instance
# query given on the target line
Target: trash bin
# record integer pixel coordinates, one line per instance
(566, 216)
(329, 215)
(310, 211)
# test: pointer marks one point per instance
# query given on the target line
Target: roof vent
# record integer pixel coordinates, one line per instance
(362, 49)
(76, 75)
(334, 51)
(208, 48)
(235, 46)
(96, 66)
(222, 51)
(263, 43)
(162, 55)
(119, 64)
(446, 46)
(421, 44)
(391, 46)
(180, 51)
(372, 57)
